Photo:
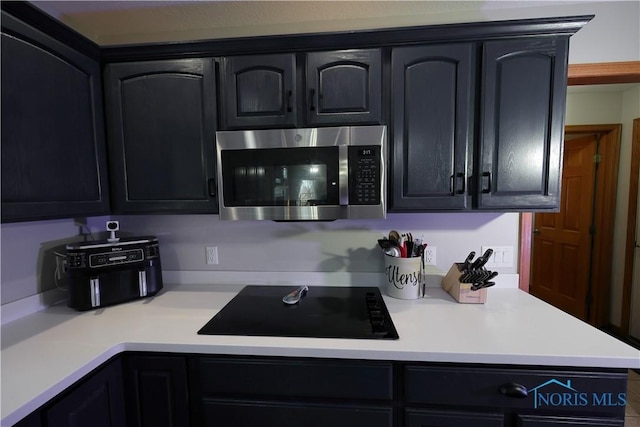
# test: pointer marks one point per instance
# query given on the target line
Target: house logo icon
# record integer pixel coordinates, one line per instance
(552, 381)
(555, 393)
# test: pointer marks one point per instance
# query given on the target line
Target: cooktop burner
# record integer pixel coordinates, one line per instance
(325, 312)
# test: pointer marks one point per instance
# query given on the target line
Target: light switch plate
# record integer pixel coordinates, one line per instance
(502, 256)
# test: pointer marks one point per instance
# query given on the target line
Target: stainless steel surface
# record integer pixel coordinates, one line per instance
(295, 296)
(341, 137)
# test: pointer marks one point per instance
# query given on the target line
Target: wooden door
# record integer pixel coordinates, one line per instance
(161, 118)
(344, 87)
(433, 98)
(562, 241)
(259, 91)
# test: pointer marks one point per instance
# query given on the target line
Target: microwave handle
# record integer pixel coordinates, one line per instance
(343, 175)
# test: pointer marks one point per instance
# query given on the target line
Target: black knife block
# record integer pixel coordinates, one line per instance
(462, 292)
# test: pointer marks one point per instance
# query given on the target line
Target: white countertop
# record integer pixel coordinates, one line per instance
(44, 353)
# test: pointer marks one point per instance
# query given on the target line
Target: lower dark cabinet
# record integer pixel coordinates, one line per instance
(156, 391)
(180, 390)
(218, 413)
(96, 401)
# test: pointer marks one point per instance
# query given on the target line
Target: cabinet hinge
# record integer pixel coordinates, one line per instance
(597, 158)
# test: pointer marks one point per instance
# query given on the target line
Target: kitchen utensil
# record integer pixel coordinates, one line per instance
(295, 296)
(385, 243)
(403, 247)
(394, 236)
(409, 245)
(478, 286)
(467, 261)
(393, 251)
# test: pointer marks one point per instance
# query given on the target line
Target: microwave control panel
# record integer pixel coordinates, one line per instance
(364, 175)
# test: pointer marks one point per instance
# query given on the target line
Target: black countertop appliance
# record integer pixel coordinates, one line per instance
(112, 271)
(324, 312)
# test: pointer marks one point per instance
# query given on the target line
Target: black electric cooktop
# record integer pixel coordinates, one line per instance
(325, 312)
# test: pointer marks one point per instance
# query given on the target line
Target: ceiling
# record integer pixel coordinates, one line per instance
(126, 22)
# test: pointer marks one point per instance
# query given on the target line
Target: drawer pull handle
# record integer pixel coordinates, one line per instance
(513, 390)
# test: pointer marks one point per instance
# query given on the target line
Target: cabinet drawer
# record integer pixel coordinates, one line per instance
(433, 418)
(563, 391)
(276, 414)
(298, 378)
(548, 421)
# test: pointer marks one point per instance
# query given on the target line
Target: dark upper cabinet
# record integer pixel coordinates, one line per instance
(259, 91)
(433, 112)
(53, 153)
(512, 158)
(333, 88)
(522, 123)
(161, 133)
(344, 87)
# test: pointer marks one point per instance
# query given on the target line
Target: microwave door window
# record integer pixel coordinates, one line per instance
(251, 185)
(280, 177)
(310, 182)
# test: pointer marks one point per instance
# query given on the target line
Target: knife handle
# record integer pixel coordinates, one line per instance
(467, 261)
(487, 256)
(479, 262)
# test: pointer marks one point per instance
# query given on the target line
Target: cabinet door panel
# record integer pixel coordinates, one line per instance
(344, 87)
(276, 414)
(157, 391)
(162, 132)
(98, 402)
(53, 153)
(434, 418)
(432, 89)
(524, 91)
(258, 91)
(295, 378)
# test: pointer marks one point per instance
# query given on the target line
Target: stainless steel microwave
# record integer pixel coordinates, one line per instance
(302, 174)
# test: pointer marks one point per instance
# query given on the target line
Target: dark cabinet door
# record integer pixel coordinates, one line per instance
(280, 414)
(344, 87)
(438, 418)
(433, 101)
(259, 91)
(156, 390)
(97, 401)
(53, 150)
(522, 123)
(161, 119)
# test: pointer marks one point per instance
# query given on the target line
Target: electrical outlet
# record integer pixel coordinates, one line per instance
(212, 255)
(430, 255)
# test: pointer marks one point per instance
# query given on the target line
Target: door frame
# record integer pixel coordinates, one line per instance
(631, 243)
